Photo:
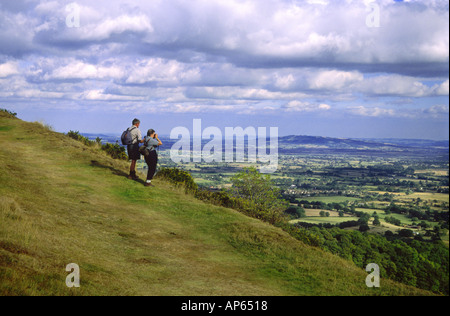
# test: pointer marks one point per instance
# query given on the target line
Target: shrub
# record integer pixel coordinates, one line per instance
(302, 234)
(295, 212)
(364, 228)
(179, 178)
(220, 198)
(8, 113)
(114, 151)
(260, 197)
(77, 136)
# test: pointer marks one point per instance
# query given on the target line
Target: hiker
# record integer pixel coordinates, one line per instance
(151, 142)
(133, 149)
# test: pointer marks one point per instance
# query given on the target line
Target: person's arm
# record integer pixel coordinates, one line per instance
(159, 142)
(152, 142)
(140, 139)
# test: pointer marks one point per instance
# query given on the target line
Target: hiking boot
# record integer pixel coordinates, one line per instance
(133, 176)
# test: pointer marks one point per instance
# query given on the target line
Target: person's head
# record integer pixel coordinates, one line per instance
(136, 122)
(151, 133)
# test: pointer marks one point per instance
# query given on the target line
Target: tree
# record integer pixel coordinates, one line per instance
(257, 192)
(9, 113)
(295, 212)
(364, 219)
(406, 233)
(364, 228)
(376, 221)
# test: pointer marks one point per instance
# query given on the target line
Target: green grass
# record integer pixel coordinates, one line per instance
(5, 128)
(61, 203)
(325, 220)
(329, 199)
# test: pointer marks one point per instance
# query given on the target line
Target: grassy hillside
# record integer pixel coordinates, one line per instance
(62, 202)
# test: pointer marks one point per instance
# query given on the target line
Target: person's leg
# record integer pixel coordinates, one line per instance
(133, 167)
(152, 161)
(149, 163)
(133, 153)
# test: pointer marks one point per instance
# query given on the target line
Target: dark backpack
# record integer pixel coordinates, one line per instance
(144, 150)
(126, 138)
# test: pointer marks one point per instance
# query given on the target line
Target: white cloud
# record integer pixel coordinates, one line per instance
(8, 69)
(299, 106)
(48, 7)
(334, 79)
(39, 94)
(442, 89)
(162, 71)
(394, 85)
(437, 111)
(238, 93)
(100, 95)
(371, 111)
(80, 70)
(284, 82)
(111, 26)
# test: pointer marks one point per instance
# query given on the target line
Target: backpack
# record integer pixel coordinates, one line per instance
(144, 150)
(126, 137)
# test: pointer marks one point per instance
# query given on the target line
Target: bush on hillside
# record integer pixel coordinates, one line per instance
(8, 113)
(77, 136)
(114, 151)
(179, 178)
(262, 198)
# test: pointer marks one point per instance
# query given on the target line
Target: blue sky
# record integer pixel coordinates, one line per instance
(316, 67)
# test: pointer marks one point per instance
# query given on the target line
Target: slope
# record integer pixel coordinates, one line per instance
(62, 202)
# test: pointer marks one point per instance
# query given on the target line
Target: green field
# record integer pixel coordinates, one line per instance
(325, 220)
(329, 199)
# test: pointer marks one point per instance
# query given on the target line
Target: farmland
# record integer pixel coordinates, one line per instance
(403, 183)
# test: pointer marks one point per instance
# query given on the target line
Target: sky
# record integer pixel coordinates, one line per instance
(350, 68)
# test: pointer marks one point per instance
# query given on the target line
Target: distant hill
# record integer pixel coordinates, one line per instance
(420, 143)
(373, 146)
(108, 138)
(62, 202)
(356, 143)
(295, 142)
(328, 142)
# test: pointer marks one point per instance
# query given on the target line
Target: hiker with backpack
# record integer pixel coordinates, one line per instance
(132, 137)
(151, 142)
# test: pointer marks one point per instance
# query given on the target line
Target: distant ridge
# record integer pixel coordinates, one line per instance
(411, 142)
(304, 144)
(363, 142)
(331, 142)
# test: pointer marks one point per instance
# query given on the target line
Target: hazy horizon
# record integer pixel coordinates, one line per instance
(292, 135)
